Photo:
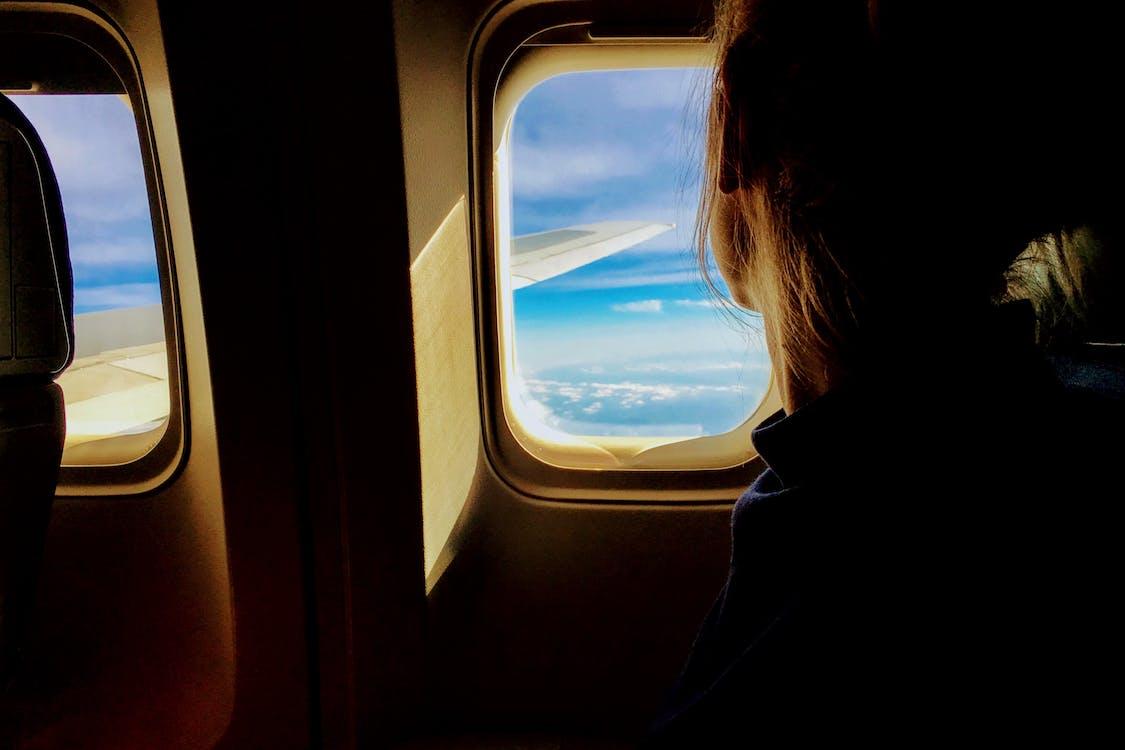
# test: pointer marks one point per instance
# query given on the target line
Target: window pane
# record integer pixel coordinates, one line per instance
(632, 343)
(118, 383)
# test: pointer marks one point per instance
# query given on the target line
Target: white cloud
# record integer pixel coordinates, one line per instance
(117, 295)
(680, 394)
(592, 398)
(114, 253)
(92, 140)
(707, 303)
(534, 409)
(615, 339)
(687, 367)
(641, 306)
(92, 143)
(627, 392)
(647, 92)
(580, 134)
(108, 207)
(570, 392)
(567, 169)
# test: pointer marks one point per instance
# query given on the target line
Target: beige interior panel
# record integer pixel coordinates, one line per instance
(552, 623)
(446, 365)
(134, 641)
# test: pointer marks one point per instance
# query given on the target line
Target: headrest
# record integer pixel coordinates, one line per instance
(36, 286)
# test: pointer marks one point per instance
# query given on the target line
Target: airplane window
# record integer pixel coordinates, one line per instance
(117, 385)
(615, 333)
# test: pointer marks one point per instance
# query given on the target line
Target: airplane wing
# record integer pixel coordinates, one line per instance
(544, 255)
(117, 392)
(124, 391)
(117, 384)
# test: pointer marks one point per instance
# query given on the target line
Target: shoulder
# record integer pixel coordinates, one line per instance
(768, 511)
(763, 495)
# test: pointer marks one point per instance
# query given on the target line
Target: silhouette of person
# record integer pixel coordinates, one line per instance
(928, 552)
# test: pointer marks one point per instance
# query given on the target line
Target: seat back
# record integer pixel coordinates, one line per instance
(36, 344)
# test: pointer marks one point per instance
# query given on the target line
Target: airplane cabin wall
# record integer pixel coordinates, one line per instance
(545, 619)
(273, 593)
(133, 641)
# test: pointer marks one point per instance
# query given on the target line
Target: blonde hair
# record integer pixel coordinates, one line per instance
(812, 310)
(1068, 277)
(878, 187)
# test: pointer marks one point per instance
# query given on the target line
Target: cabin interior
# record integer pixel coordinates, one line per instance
(336, 537)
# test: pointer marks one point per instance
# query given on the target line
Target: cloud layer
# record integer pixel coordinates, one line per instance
(640, 306)
(92, 142)
(609, 145)
(668, 398)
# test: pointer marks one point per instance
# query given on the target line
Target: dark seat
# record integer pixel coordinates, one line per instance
(1093, 371)
(36, 344)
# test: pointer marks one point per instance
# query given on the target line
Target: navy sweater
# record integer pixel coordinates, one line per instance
(922, 558)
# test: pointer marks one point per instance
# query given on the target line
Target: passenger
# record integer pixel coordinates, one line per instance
(1072, 278)
(928, 553)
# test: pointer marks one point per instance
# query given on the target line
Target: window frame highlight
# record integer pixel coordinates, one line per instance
(562, 466)
(122, 467)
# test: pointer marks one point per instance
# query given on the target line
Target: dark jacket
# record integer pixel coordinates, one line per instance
(924, 557)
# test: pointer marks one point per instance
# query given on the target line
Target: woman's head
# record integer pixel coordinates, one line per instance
(872, 169)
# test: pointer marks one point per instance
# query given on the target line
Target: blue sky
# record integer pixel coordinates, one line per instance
(92, 142)
(632, 344)
(629, 345)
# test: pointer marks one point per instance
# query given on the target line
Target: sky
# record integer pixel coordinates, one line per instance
(633, 344)
(92, 142)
